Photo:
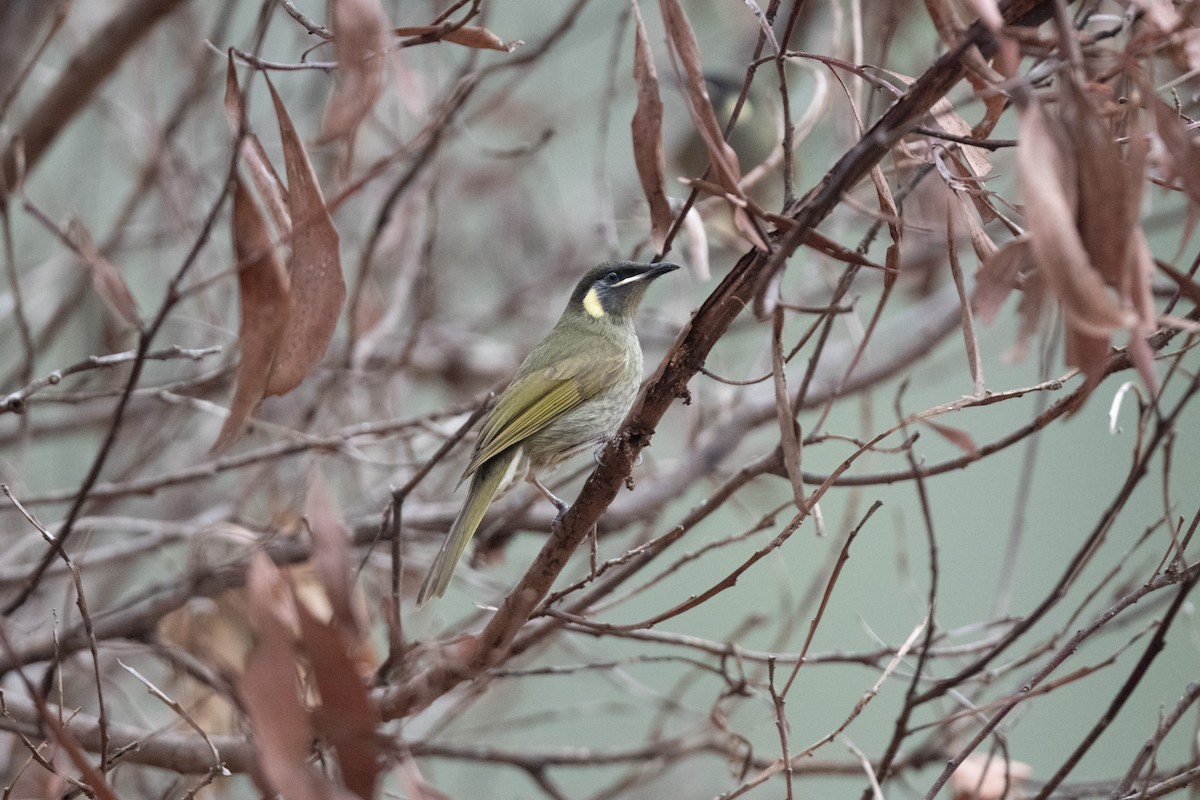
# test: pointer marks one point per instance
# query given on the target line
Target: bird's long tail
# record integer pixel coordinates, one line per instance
(484, 483)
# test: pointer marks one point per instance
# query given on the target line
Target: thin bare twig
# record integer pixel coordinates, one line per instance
(15, 402)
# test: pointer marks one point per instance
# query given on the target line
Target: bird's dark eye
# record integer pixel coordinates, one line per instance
(611, 277)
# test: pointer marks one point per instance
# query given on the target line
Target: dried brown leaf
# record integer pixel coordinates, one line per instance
(948, 20)
(951, 122)
(1083, 199)
(318, 289)
(1031, 311)
(467, 36)
(647, 135)
(1109, 187)
(330, 553)
(270, 692)
(923, 221)
(481, 39)
(722, 157)
(106, 278)
(838, 252)
(1181, 37)
(956, 436)
(746, 227)
(1140, 294)
(1049, 187)
(983, 244)
(254, 157)
(999, 275)
(1142, 355)
(789, 432)
(888, 210)
(360, 39)
(1089, 352)
(1183, 152)
(348, 719)
(263, 299)
(994, 105)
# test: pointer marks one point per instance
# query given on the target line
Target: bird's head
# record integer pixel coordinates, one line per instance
(613, 290)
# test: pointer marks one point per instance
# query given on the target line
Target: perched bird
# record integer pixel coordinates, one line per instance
(571, 392)
(753, 138)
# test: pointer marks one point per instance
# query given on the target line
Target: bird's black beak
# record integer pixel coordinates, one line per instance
(661, 268)
(652, 271)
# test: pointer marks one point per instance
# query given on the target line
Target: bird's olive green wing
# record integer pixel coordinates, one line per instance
(534, 400)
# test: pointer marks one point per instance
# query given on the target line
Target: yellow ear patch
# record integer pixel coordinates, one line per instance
(592, 304)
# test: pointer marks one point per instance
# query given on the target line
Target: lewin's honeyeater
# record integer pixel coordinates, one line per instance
(571, 392)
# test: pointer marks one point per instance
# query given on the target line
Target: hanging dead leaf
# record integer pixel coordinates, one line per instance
(983, 244)
(1089, 352)
(722, 159)
(1178, 33)
(330, 552)
(1049, 187)
(647, 135)
(1082, 201)
(107, 280)
(318, 289)
(949, 120)
(1138, 291)
(481, 39)
(955, 436)
(360, 41)
(1110, 187)
(949, 19)
(923, 221)
(1011, 267)
(999, 275)
(467, 36)
(994, 105)
(838, 252)
(1182, 161)
(270, 693)
(263, 300)
(1032, 310)
(1008, 54)
(889, 212)
(262, 174)
(790, 440)
(348, 720)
